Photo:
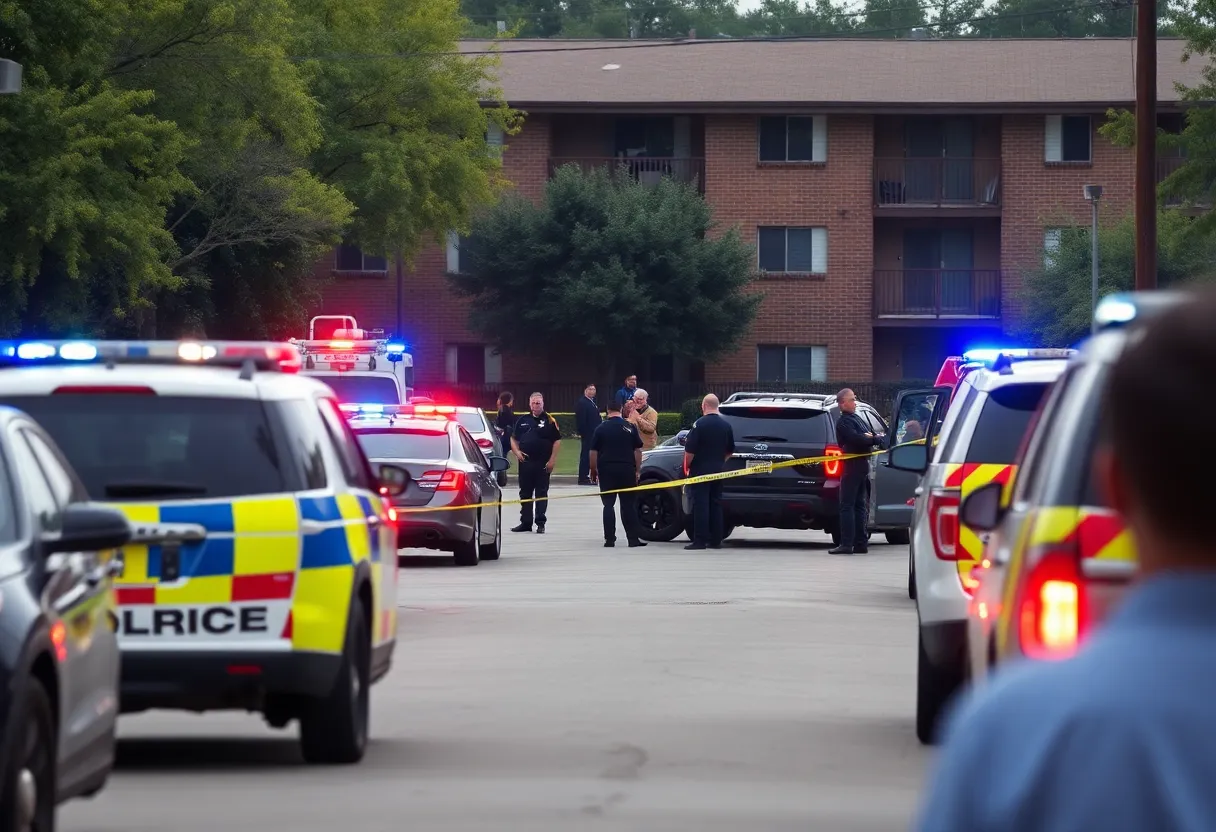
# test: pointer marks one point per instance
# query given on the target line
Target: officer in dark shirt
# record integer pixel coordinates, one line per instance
(708, 445)
(586, 420)
(535, 441)
(616, 460)
(855, 437)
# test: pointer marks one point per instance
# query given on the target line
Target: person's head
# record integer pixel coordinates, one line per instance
(614, 407)
(505, 399)
(589, 391)
(631, 382)
(536, 403)
(640, 398)
(709, 404)
(847, 400)
(1164, 494)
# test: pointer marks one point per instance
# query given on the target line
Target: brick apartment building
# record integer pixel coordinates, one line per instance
(895, 189)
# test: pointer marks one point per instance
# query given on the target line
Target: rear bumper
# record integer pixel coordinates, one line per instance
(810, 509)
(435, 530)
(211, 680)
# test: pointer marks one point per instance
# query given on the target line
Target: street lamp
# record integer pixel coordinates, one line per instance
(10, 77)
(1093, 193)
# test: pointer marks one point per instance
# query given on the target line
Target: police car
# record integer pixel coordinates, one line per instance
(980, 436)
(359, 365)
(262, 573)
(1060, 557)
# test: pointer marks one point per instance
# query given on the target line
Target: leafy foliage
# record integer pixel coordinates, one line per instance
(610, 269)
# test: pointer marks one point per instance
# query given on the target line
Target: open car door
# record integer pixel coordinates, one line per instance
(918, 416)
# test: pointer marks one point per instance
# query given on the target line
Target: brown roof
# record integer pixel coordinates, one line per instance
(836, 74)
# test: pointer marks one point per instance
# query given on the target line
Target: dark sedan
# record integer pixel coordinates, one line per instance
(447, 470)
(59, 658)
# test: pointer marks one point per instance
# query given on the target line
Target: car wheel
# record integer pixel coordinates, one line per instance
(660, 514)
(503, 479)
(469, 554)
(493, 551)
(898, 537)
(28, 800)
(934, 687)
(334, 728)
(911, 577)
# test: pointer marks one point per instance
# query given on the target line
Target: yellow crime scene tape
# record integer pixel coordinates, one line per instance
(763, 468)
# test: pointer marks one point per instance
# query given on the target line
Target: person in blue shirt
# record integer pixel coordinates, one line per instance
(1122, 736)
(626, 393)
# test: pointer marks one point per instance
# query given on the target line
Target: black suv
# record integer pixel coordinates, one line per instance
(769, 427)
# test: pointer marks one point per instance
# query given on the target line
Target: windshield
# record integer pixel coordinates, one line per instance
(134, 447)
(777, 424)
(379, 443)
(369, 389)
(1003, 422)
(473, 422)
(8, 506)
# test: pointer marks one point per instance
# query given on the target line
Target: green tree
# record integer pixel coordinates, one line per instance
(1058, 296)
(608, 269)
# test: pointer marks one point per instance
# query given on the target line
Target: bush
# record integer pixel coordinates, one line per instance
(670, 424)
(690, 412)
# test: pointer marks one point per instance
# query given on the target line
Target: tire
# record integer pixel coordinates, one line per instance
(660, 514)
(32, 764)
(934, 688)
(334, 728)
(494, 550)
(503, 479)
(898, 537)
(911, 577)
(469, 554)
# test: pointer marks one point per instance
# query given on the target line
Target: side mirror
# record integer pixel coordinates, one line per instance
(89, 528)
(983, 507)
(682, 437)
(909, 457)
(499, 464)
(393, 480)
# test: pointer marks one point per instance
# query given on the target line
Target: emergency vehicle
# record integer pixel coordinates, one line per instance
(262, 572)
(1060, 558)
(360, 365)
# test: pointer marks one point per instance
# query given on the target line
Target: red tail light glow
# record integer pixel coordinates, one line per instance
(1051, 606)
(831, 467)
(943, 523)
(485, 443)
(341, 345)
(442, 480)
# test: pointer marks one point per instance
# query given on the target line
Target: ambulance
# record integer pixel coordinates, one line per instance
(359, 365)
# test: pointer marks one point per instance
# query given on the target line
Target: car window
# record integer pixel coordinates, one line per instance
(302, 436)
(366, 389)
(473, 422)
(777, 424)
(955, 417)
(390, 443)
(354, 462)
(8, 503)
(473, 453)
(62, 486)
(35, 489)
(914, 419)
(1002, 422)
(125, 446)
(1036, 462)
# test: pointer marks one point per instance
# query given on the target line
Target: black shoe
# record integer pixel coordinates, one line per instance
(540, 528)
(608, 544)
(715, 545)
(522, 527)
(841, 550)
(633, 544)
(861, 550)
(694, 546)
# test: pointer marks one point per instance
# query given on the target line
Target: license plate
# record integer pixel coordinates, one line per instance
(762, 464)
(341, 358)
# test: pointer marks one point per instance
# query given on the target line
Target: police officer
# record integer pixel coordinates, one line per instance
(855, 437)
(535, 441)
(616, 461)
(586, 420)
(708, 445)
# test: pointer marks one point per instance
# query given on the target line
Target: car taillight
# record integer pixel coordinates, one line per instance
(831, 467)
(485, 443)
(442, 480)
(943, 523)
(1050, 609)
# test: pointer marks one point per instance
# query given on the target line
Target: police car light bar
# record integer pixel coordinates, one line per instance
(264, 355)
(421, 410)
(988, 356)
(1123, 308)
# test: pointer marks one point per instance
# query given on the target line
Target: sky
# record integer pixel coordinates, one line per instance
(748, 5)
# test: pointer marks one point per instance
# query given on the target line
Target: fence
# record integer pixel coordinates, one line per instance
(666, 397)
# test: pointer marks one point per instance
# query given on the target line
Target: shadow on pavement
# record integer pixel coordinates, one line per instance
(156, 754)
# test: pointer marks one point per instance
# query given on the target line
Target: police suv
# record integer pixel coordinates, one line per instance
(262, 574)
(359, 365)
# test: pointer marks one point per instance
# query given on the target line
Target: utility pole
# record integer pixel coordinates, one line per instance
(399, 332)
(1146, 144)
(1093, 193)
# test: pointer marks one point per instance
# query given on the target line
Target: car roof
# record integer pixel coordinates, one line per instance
(809, 401)
(175, 380)
(1019, 372)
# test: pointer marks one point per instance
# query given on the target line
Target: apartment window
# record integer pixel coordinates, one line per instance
(473, 364)
(1054, 237)
(494, 138)
(352, 259)
(793, 139)
(455, 244)
(793, 250)
(787, 363)
(1068, 139)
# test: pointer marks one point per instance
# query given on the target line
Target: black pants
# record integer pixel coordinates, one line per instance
(614, 475)
(533, 482)
(707, 513)
(584, 459)
(853, 508)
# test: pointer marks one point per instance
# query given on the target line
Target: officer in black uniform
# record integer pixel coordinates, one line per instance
(535, 441)
(616, 460)
(855, 437)
(708, 446)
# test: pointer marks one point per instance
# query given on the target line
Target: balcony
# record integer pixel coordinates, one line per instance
(645, 169)
(903, 186)
(947, 295)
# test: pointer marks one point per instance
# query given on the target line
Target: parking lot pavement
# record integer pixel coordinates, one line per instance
(765, 686)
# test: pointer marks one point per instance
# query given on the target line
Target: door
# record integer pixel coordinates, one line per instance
(958, 253)
(958, 166)
(923, 144)
(918, 416)
(487, 486)
(922, 259)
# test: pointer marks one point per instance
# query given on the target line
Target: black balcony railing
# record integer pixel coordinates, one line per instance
(937, 293)
(641, 168)
(937, 182)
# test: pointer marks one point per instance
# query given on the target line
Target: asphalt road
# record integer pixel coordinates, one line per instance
(766, 686)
